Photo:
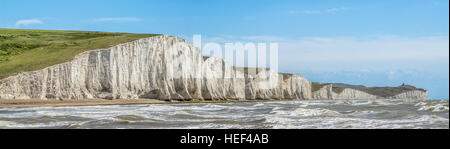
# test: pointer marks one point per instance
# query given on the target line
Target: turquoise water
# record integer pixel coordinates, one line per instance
(320, 114)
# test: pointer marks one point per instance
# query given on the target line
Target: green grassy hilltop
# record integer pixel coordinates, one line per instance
(378, 91)
(29, 50)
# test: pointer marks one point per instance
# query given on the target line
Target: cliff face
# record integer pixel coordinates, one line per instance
(416, 94)
(326, 92)
(161, 67)
(353, 94)
(164, 67)
(269, 84)
(221, 81)
(296, 87)
(141, 69)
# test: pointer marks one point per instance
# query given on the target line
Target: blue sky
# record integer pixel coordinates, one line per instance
(369, 42)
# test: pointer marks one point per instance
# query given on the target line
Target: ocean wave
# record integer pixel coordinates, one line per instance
(434, 108)
(426, 121)
(258, 105)
(420, 104)
(277, 122)
(131, 117)
(372, 114)
(190, 117)
(42, 125)
(213, 126)
(6, 123)
(305, 112)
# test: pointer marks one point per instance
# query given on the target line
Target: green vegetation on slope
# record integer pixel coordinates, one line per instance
(316, 86)
(378, 91)
(339, 87)
(29, 50)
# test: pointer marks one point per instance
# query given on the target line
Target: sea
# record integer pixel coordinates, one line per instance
(293, 114)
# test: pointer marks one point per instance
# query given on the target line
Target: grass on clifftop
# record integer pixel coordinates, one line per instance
(29, 50)
(378, 91)
(316, 86)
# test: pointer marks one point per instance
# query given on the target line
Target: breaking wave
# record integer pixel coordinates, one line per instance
(439, 107)
(329, 114)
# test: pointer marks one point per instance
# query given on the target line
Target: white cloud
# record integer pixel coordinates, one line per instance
(349, 53)
(353, 53)
(376, 49)
(351, 49)
(28, 22)
(327, 11)
(125, 19)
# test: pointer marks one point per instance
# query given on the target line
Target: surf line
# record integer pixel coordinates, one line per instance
(188, 139)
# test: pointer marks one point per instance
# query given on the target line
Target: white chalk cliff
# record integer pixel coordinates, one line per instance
(349, 93)
(415, 94)
(326, 92)
(160, 67)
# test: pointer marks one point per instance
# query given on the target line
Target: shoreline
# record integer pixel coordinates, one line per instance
(29, 103)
